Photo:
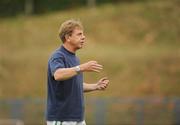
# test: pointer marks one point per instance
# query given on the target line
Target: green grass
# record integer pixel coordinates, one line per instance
(137, 43)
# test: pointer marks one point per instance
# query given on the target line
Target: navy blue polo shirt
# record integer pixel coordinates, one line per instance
(65, 101)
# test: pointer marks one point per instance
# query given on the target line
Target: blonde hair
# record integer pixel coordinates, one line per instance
(67, 28)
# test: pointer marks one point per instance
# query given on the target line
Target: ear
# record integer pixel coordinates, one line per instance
(67, 37)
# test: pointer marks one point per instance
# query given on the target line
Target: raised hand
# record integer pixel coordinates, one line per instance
(91, 66)
(102, 84)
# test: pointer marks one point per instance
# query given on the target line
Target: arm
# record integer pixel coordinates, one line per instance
(100, 85)
(89, 87)
(66, 73)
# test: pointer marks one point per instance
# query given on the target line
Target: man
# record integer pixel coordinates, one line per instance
(65, 103)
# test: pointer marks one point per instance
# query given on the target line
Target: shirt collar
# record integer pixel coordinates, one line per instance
(62, 48)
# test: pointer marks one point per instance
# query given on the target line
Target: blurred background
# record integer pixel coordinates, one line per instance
(137, 42)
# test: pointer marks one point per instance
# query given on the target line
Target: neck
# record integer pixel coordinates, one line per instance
(69, 48)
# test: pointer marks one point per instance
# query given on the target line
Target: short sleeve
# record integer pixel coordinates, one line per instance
(56, 63)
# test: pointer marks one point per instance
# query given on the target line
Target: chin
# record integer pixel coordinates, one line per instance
(81, 46)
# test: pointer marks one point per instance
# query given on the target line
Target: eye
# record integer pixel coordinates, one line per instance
(79, 34)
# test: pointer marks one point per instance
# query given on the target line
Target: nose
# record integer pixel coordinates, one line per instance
(83, 37)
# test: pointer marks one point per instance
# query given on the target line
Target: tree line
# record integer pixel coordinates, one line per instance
(28, 7)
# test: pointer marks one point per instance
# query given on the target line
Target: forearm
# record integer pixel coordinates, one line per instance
(89, 87)
(100, 85)
(64, 73)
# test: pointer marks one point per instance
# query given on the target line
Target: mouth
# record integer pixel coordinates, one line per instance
(82, 42)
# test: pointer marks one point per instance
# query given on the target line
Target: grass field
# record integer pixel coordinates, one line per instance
(138, 44)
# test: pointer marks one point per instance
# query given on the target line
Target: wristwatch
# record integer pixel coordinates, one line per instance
(77, 69)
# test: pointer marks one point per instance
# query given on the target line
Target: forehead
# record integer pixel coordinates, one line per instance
(77, 30)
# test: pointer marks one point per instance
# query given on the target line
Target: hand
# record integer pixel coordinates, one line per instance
(91, 66)
(102, 84)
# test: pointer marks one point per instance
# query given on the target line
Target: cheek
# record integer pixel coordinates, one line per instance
(78, 39)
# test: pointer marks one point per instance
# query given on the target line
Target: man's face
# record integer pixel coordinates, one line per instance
(77, 38)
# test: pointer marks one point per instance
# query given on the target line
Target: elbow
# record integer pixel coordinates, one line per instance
(57, 77)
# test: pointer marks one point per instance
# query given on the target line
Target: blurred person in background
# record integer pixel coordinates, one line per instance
(65, 101)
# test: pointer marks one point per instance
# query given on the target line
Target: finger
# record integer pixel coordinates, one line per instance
(106, 81)
(103, 87)
(96, 67)
(104, 84)
(103, 79)
(99, 66)
(96, 64)
(95, 70)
